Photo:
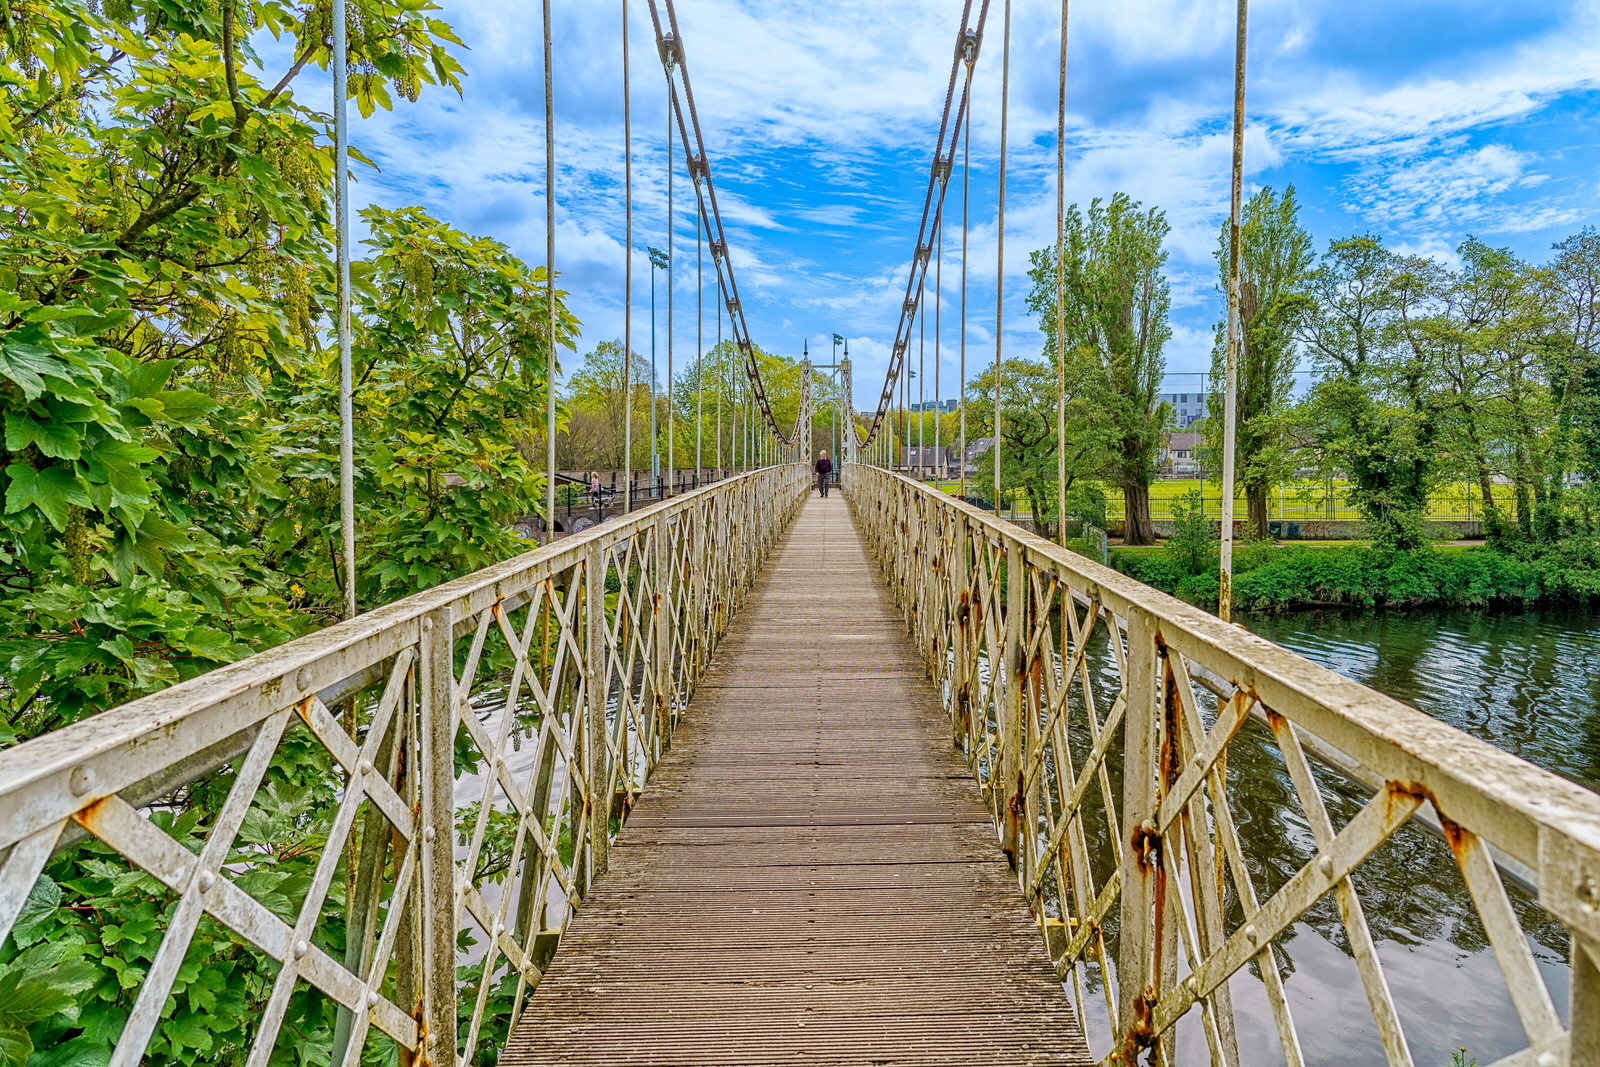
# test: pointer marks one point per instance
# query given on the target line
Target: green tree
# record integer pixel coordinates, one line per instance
(453, 350)
(1498, 331)
(1275, 262)
(1374, 413)
(1116, 300)
(164, 254)
(1576, 277)
(168, 463)
(1028, 436)
(601, 394)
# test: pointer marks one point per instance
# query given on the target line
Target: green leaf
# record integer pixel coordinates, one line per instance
(186, 406)
(41, 903)
(15, 1045)
(52, 490)
(58, 440)
(26, 365)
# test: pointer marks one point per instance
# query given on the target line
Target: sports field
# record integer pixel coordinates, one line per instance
(1306, 501)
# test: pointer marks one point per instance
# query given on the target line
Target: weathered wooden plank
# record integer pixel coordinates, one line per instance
(811, 876)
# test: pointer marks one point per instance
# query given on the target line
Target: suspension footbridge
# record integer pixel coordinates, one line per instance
(746, 776)
(812, 875)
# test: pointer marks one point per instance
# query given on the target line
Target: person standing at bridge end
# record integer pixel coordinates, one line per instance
(824, 470)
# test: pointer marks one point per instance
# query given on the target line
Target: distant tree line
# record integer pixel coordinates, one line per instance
(710, 398)
(169, 462)
(1485, 370)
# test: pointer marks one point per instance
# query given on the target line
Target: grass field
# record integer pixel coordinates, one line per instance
(1459, 501)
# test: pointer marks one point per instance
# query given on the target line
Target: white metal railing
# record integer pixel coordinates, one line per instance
(1113, 797)
(589, 647)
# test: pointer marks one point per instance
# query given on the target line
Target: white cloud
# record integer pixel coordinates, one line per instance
(819, 120)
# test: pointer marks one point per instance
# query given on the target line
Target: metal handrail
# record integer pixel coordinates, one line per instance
(979, 592)
(603, 636)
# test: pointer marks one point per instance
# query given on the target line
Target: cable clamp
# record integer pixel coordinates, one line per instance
(969, 47)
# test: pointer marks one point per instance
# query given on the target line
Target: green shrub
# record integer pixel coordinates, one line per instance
(1201, 589)
(1193, 545)
(1152, 568)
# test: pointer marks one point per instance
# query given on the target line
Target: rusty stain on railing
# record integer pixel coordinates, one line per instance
(1191, 918)
(601, 695)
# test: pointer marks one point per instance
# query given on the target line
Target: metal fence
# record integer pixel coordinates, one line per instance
(441, 827)
(1113, 797)
(1305, 502)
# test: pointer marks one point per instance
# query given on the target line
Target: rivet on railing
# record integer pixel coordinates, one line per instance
(1325, 866)
(427, 624)
(302, 679)
(427, 833)
(1250, 934)
(366, 766)
(206, 881)
(372, 998)
(82, 780)
(300, 950)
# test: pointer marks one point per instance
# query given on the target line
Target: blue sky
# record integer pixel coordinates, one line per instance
(1418, 120)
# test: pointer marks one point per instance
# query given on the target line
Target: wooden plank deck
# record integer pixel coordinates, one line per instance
(811, 876)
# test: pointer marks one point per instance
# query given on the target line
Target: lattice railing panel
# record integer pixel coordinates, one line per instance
(1182, 799)
(472, 749)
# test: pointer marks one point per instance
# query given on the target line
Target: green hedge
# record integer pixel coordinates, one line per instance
(1300, 576)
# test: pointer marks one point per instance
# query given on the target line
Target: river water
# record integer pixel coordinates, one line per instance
(1528, 682)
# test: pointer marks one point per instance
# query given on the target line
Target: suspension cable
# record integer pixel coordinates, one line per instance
(670, 44)
(721, 375)
(1235, 331)
(922, 373)
(952, 122)
(1000, 246)
(966, 174)
(549, 285)
(341, 193)
(938, 301)
(672, 457)
(627, 277)
(699, 339)
(1061, 284)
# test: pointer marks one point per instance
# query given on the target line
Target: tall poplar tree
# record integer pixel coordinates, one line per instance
(1116, 302)
(1276, 257)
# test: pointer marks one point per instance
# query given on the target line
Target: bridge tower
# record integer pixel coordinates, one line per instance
(803, 431)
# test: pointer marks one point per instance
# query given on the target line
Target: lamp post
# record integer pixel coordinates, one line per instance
(837, 413)
(658, 261)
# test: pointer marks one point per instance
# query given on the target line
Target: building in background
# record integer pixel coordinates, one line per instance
(1180, 456)
(1187, 408)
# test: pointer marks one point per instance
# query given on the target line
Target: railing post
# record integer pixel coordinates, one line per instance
(1008, 789)
(662, 558)
(597, 685)
(1585, 1003)
(1140, 849)
(438, 908)
(960, 690)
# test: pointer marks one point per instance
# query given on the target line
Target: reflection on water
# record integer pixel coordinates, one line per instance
(1526, 681)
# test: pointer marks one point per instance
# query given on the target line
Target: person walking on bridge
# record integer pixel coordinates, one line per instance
(824, 470)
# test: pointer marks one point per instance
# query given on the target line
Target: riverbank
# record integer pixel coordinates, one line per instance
(1288, 577)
